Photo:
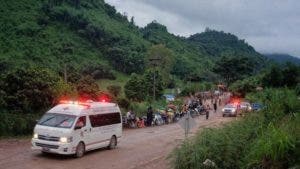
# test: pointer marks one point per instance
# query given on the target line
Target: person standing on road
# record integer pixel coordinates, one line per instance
(129, 113)
(215, 105)
(149, 116)
(207, 108)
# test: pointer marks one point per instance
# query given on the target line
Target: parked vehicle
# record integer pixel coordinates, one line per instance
(193, 113)
(230, 110)
(257, 106)
(196, 109)
(169, 97)
(245, 106)
(129, 122)
(76, 127)
(177, 116)
(200, 109)
(157, 119)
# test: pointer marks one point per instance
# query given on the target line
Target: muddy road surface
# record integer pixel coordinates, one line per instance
(139, 148)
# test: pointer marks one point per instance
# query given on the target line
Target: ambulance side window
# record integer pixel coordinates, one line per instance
(105, 119)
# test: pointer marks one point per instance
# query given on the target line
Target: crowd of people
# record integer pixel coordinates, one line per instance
(201, 103)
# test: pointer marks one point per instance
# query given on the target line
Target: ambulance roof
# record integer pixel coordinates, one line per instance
(81, 109)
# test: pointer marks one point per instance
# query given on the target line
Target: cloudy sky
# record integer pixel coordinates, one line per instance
(268, 25)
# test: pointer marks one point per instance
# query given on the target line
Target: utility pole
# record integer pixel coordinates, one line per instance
(154, 85)
(154, 64)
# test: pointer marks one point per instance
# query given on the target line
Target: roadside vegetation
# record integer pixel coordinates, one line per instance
(65, 49)
(265, 139)
(84, 49)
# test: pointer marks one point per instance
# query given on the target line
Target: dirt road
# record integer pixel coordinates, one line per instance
(139, 148)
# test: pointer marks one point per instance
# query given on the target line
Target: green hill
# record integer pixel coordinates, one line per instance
(52, 33)
(217, 44)
(90, 34)
(190, 60)
(42, 41)
(283, 58)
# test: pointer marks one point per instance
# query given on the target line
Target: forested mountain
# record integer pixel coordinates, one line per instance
(217, 44)
(89, 35)
(283, 58)
(191, 62)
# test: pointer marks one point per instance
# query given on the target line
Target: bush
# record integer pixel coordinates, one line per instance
(196, 87)
(278, 103)
(266, 139)
(297, 89)
(219, 145)
(17, 124)
(270, 149)
(242, 87)
(88, 88)
(140, 109)
(98, 72)
(28, 90)
(123, 103)
(134, 88)
(114, 90)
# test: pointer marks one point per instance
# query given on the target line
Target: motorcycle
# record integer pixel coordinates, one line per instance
(200, 109)
(177, 116)
(157, 119)
(129, 122)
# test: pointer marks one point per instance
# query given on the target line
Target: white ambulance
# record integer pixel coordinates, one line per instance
(76, 127)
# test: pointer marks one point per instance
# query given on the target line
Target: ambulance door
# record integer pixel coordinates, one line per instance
(83, 133)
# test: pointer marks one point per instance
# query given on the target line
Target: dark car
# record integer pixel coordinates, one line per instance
(257, 106)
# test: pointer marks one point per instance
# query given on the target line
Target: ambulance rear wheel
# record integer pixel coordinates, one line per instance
(80, 150)
(112, 143)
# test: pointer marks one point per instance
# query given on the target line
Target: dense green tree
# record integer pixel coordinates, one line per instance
(278, 76)
(242, 87)
(63, 90)
(234, 68)
(98, 71)
(123, 102)
(291, 75)
(161, 59)
(135, 88)
(149, 84)
(297, 89)
(30, 90)
(125, 60)
(87, 88)
(273, 78)
(114, 90)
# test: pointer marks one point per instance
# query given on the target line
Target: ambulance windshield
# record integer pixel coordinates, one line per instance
(57, 120)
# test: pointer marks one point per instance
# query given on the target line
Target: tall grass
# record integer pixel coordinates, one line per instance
(266, 139)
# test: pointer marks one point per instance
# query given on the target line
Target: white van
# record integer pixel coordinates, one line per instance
(74, 128)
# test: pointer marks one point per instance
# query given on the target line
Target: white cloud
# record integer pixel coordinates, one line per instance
(268, 25)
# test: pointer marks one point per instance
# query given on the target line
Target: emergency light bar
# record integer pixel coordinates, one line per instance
(74, 102)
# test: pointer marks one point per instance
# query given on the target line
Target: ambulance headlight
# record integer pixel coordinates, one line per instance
(65, 139)
(35, 135)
